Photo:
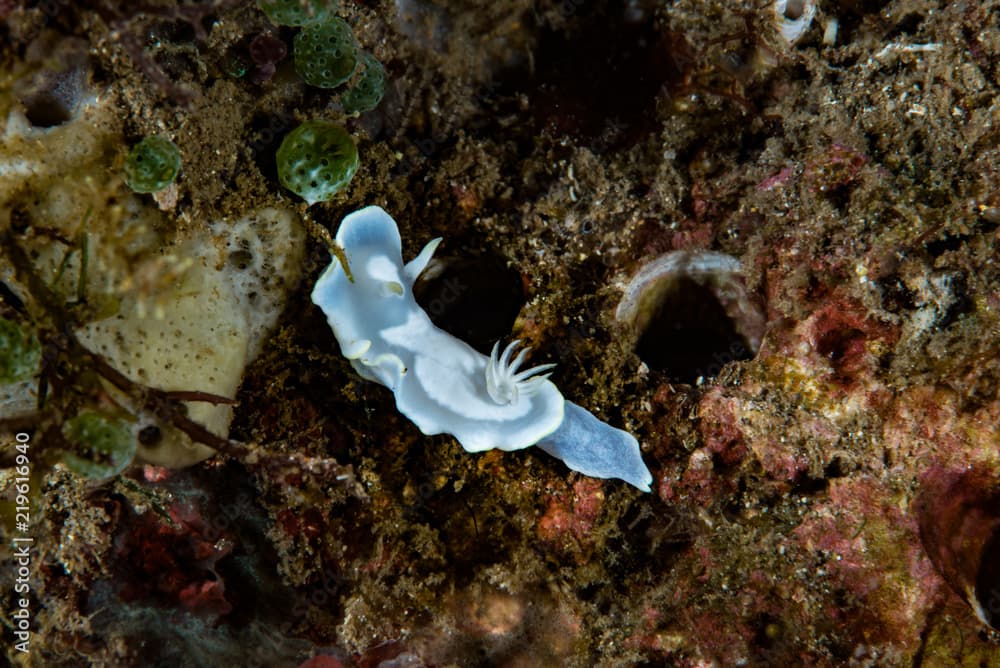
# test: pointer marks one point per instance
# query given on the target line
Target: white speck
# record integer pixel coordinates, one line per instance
(830, 32)
(908, 48)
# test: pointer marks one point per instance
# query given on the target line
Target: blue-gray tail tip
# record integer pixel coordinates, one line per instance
(597, 449)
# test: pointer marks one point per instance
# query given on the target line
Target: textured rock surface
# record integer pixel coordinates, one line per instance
(817, 503)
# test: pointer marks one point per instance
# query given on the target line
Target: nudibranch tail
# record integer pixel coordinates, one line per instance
(503, 383)
(594, 448)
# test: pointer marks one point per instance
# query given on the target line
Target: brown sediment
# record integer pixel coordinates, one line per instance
(793, 520)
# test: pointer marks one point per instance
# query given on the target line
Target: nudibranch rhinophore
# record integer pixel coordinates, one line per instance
(444, 385)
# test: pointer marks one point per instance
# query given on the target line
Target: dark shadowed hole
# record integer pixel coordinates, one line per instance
(150, 435)
(768, 630)
(265, 134)
(55, 79)
(476, 299)
(794, 10)
(599, 48)
(988, 581)
(690, 335)
(52, 96)
(7, 296)
(836, 344)
(240, 259)
(47, 110)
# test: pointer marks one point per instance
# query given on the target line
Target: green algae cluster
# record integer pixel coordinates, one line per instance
(326, 53)
(367, 92)
(105, 445)
(298, 12)
(316, 160)
(152, 164)
(20, 353)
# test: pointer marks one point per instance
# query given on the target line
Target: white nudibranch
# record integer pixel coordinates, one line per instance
(440, 382)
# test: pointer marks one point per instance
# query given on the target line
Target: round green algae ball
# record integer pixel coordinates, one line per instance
(20, 353)
(298, 12)
(152, 164)
(105, 445)
(326, 53)
(369, 89)
(316, 160)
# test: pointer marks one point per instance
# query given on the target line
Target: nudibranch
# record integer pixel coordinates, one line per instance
(444, 385)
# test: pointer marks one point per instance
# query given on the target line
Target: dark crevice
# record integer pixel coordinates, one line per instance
(690, 334)
(475, 299)
(988, 581)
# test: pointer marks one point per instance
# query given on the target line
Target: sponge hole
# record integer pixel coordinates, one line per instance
(475, 299)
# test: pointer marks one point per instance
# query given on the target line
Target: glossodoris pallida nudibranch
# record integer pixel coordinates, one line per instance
(441, 383)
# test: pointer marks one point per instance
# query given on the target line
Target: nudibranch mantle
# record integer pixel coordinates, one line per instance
(440, 382)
